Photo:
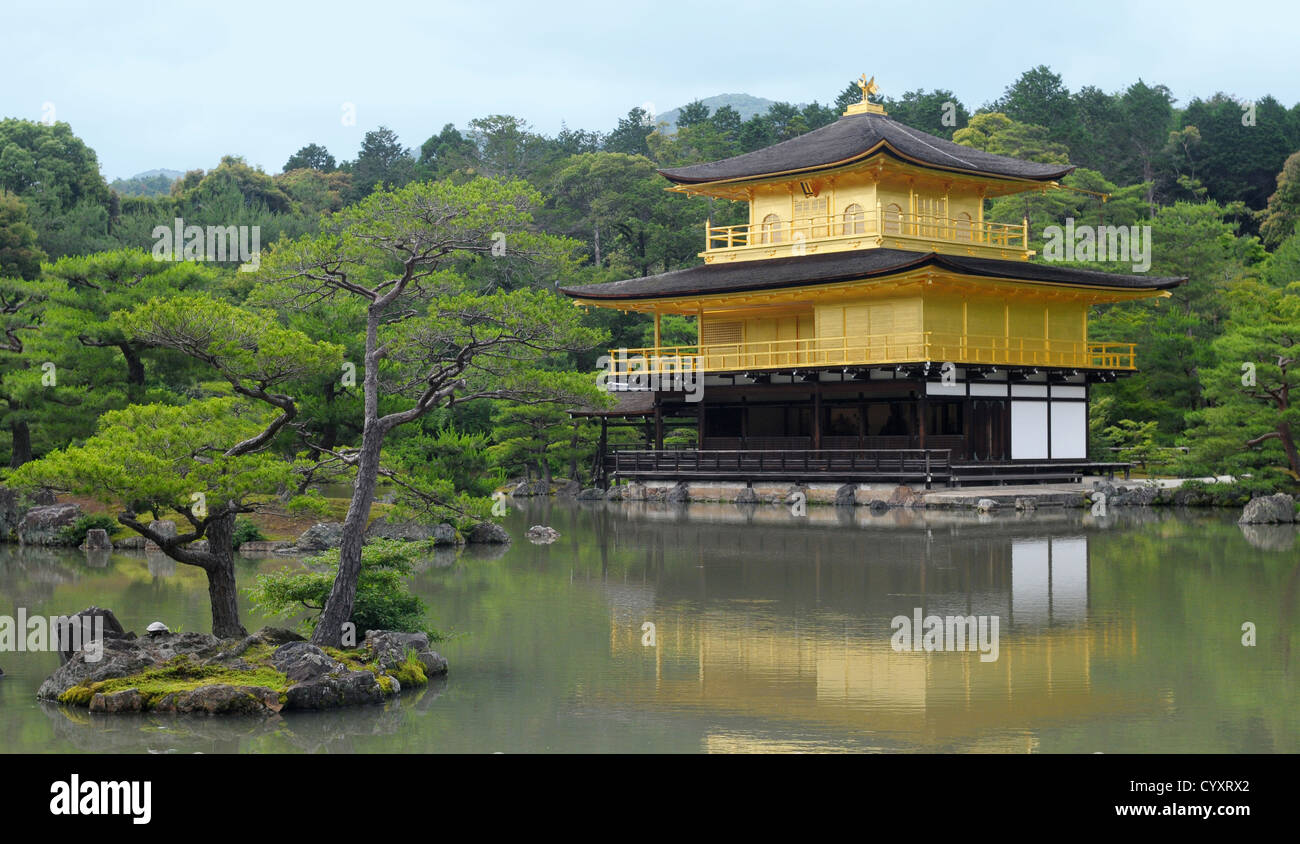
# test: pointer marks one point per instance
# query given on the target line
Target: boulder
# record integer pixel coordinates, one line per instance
(389, 647)
(568, 489)
(542, 534)
(879, 506)
(435, 664)
(321, 536)
(679, 493)
(846, 495)
(904, 496)
(44, 525)
(97, 540)
(590, 494)
(986, 505)
(381, 528)
(128, 700)
(747, 496)
(1024, 504)
(165, 528)
(303, 662)
(530, 489)
(85, 619)
(14, 505)
(133, 543)
(445, 534)
(345, 689)
(1276, 509)
(489, 533)
(219, 700)
(614, 493)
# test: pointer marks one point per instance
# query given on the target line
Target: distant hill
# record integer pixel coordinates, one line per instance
(149, 183)
(745, 105)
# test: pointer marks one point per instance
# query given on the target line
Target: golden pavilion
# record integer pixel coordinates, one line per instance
(867, 322)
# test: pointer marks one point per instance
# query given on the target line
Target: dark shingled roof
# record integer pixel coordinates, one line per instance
(775, 273)
(856, 136)
(628, 403)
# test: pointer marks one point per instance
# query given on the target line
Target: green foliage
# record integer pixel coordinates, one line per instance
(75, 533)
(383, 601)
(246, 531)
(20, 256)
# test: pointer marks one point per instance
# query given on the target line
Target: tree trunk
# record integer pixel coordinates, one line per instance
(222, 592)
(338, 607)
(596, 230)
(134, 368)
(1289, 446)
(343, 594)
(22, 444)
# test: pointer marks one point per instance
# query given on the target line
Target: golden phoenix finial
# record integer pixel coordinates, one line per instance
(868, 86)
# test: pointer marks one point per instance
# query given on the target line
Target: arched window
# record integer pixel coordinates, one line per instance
(772, 229)
(855, 220)
(893, 219)
(964, 230)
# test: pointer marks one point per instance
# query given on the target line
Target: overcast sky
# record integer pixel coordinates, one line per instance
(178, 85)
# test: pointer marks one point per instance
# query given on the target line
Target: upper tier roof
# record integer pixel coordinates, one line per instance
(855, 137)
(777, 273)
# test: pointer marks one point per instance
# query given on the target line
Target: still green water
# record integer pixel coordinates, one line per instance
(771, 632)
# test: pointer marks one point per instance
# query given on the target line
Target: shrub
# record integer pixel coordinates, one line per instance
(245, 531)
(384, 600)
(75, 533)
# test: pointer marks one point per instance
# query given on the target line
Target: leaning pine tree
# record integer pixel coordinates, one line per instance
(208, 460)
(433, 335)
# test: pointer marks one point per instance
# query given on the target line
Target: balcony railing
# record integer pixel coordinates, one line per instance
(866, 223)
(914, 347)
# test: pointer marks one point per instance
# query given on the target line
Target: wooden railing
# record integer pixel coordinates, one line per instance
(865, 464)
(866, 223)
(907, 347)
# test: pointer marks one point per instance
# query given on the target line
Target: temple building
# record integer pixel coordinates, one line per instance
(867, 322)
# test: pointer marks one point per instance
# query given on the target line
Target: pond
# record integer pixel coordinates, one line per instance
(705, 628)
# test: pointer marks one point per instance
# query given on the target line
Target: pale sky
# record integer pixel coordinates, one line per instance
(178, 85)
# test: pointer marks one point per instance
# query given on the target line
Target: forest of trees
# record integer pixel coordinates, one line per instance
(1217, 179)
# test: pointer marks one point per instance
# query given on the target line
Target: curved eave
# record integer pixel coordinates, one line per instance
(1001, 271)
(883, 146)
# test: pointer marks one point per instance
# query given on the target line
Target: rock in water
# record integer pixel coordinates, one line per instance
(846, 496)
(44, 525)
(1269, 510)
(321, 537)
(986, 505)
(97, 540)
(86, 621)
(488, 533)
(542, 534)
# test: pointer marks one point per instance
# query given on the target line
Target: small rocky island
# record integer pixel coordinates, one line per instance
(269, 671)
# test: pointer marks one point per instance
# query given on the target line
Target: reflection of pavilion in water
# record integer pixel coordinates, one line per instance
(794, 626)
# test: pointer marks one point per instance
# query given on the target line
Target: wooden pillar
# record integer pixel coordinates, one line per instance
(699, 425)
(923, 408)
(601, 449)
(817, 416)
(659, 425)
